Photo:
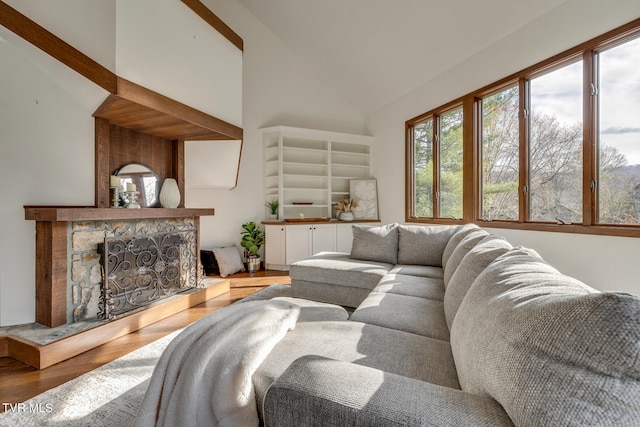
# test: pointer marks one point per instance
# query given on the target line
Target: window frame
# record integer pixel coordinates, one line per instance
(472, 185)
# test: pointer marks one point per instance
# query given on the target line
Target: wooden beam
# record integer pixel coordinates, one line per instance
(143, 96)
(56, 47)
(205, 13)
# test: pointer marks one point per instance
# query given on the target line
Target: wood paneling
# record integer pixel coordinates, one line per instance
(51, 273)
(130, 146)
(135, 107)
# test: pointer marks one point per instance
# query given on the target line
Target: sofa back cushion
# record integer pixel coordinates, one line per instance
(423, 245)
(468, 242)
(472, 264)
(548, 348)
(455, 239)
(378, 244)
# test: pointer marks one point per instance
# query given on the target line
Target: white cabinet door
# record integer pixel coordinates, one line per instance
(344, 237)
(274, 249)
(298, 242)
(323, 238)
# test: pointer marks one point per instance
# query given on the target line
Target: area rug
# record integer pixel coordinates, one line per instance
(107, 396)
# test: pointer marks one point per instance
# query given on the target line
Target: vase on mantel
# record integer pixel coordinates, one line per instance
(169, 194)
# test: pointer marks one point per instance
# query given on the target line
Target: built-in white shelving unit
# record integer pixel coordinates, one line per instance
(307, 170)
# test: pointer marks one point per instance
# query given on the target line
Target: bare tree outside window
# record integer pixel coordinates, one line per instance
(555, 146)
(619, 134)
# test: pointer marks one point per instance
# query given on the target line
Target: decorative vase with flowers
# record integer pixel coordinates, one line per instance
(344, 209)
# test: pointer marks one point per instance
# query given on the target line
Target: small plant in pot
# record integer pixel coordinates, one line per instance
(273, 208)
(344, 209)
(252, 239)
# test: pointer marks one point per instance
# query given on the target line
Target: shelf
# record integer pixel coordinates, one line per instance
(309, 161)
(304, 175)
(89, 213)
(290, 163)
(304, 189)
(349, 165)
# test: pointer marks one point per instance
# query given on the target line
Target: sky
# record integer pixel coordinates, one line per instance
(559, 93)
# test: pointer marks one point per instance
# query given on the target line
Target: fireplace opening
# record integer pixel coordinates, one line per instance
(138, 270)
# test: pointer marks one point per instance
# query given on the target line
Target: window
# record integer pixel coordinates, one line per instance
(450, 194)
(619, 134)
(500, 155)
(423, 169)
(554, 147)
(437, 178)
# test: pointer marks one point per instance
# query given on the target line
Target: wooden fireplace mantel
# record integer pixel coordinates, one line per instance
(90, 213)
(52, 243)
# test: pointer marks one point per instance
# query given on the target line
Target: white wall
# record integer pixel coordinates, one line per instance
(46, 157)
(278, 89)
(606, 263)
(47, 137)
(179, 55)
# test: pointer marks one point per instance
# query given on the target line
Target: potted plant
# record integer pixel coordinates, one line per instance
(273, 208)
(252, 240)
(344, 209)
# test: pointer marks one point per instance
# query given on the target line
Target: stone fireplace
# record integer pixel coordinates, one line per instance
(70, 245)
(139, 260)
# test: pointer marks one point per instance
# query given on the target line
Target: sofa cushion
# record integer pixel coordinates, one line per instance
(413, 286)
(423, 245)
(379, 244)
(313, 311)
(548, 348)
(418, 270)
(405, 313)
(467, 243)
(347, 296)
(472, 264)
(389, 350)
(315, 390)
(455, 239)
(339, 269)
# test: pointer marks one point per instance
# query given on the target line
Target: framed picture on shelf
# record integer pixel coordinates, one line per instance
(365, 193)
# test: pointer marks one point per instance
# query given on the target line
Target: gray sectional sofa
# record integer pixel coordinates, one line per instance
(452, 327)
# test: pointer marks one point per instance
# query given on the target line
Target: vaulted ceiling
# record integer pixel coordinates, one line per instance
(378, 50)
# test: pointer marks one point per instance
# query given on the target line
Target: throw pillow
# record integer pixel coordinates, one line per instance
(423, 245)
(472, 264)
(229, 260)
(454, 241)
(548, 348)
(375, 243)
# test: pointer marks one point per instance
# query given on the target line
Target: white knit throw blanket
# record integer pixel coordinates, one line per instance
(204, 375)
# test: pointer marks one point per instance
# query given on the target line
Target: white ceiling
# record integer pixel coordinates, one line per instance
(378, 50)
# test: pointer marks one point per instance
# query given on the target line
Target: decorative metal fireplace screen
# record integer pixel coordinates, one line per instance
(141, 269)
